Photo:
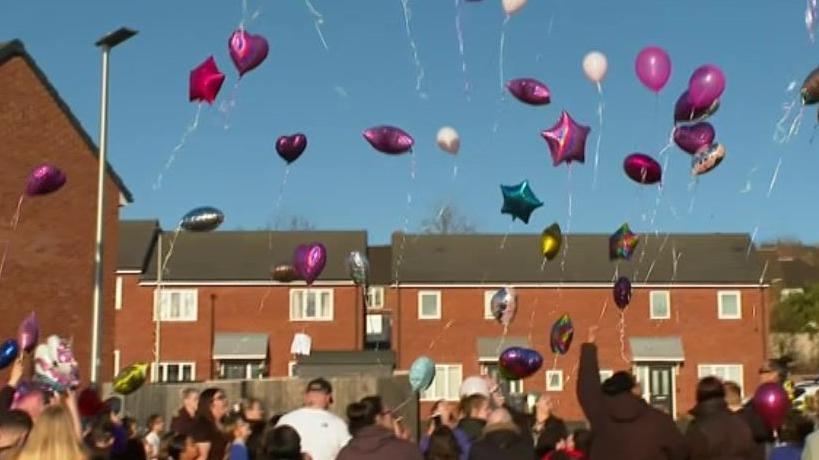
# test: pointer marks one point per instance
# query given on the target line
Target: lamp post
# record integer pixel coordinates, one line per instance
(106, 43)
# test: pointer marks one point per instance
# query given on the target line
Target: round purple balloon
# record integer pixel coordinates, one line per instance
(706, 86)
(291, 147)
(643, 169)
(653, 67)
(529, 91)
(45, 179)
(389, 139)
(622, 292)
(772, 404)
(518, 363)
(684, 111)
(695, 137)
(309, 261)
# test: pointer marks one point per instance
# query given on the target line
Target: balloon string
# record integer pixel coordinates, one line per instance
(15, 219)
(505, 237)
(568, 221)
(226, 107)
(459, 31)
(318, 21)
(440, 334)
(502, 340)
(278, 205)
(600, 108)
(400, 259)
(264, 298)
(188, 131)
(164, 266)
(774, 176)
(622, 329)
(501, 52)
(419, 69)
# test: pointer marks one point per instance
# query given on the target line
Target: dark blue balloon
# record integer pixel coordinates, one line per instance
(8, 352)
(519, 201)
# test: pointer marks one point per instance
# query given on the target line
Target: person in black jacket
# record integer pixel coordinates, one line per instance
(716, 432)
(624, 426)
(548, 429)
(502, 440)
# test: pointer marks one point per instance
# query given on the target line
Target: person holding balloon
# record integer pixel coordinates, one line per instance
(625, 427)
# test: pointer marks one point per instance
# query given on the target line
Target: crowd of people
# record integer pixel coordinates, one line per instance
(35, 425)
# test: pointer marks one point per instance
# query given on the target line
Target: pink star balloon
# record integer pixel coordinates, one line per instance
(567, 140)
(206, 81)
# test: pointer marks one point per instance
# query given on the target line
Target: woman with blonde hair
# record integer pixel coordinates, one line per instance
(53, 437)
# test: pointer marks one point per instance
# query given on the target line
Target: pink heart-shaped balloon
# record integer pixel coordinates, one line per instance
(309, 261)
(694, 137)
(247, 50)
(291, 147)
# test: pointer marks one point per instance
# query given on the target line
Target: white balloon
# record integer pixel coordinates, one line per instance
(513, 6)
(595, 65)
(474, 385)
(448, 140)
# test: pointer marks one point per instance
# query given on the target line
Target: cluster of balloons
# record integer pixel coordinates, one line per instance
(247, 51)
(692, 134)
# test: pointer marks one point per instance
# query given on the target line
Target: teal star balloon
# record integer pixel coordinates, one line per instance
(519, 201)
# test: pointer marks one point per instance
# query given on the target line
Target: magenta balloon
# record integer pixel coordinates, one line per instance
(309, 261)
(389, 139)
(28, 333)
(45, 179)
(566, 140)
(529, 91)
(772, 404)
(205, 82)
(290, 148)
(705, 86)
(653, 67)
(695, 137)
(247, 50)
(643, 169)
(685, 112)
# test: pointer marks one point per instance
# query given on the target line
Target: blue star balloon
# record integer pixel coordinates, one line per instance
(519, 201)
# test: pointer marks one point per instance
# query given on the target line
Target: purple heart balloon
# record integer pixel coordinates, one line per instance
(45, 179)
(684, 111)
(694, 137)
(309, 261)
(247, 50)
(28, 333)
(529, 91)
(622, 292)
(642, 168)
(389, 139)
(518, 363)
(291, 147)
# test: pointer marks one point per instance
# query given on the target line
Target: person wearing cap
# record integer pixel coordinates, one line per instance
(323, 433)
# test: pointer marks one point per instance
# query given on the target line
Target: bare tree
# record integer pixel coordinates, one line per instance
(293, 223)
(447, 220)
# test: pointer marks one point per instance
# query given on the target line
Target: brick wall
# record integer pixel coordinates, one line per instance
(50, 263)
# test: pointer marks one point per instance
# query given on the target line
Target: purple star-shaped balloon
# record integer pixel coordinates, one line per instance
(567, 140)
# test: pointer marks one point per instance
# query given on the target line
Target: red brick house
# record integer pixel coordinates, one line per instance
(222, 314)
(699, 307)
(50, 262)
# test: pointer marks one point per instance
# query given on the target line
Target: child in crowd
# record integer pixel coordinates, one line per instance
(182, 447)
(156, 425)
(240, 429)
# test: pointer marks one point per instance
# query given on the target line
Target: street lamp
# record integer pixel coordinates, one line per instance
(106, 43)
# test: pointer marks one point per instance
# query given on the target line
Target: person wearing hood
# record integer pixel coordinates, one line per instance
(625, 427)
(372, 427)
(502, 440)
(716, 432)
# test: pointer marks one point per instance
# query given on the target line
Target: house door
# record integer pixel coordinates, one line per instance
(661, 395)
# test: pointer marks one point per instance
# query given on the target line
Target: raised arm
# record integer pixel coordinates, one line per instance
(589, 390)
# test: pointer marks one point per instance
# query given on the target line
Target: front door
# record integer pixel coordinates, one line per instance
(660, 387)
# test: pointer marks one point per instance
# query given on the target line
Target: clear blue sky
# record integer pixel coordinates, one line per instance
(368, 77)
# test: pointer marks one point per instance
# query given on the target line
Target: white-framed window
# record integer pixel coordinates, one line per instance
(605, 373)
(487, 304)
(787, 292)
(660, 304)
(729, 304)
(311, 305)
(725, 372)
(554, 380)
(118, 294)
(171, 372)
(446, 385)
(375, 296)
(291, 368)
(375, 324)
(429, 304)
(177, 304)
(242, 370)
(116, 362)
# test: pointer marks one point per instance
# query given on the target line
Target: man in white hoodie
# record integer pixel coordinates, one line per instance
(322, 433)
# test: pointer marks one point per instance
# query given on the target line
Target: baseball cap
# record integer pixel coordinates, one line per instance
(321, 385)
